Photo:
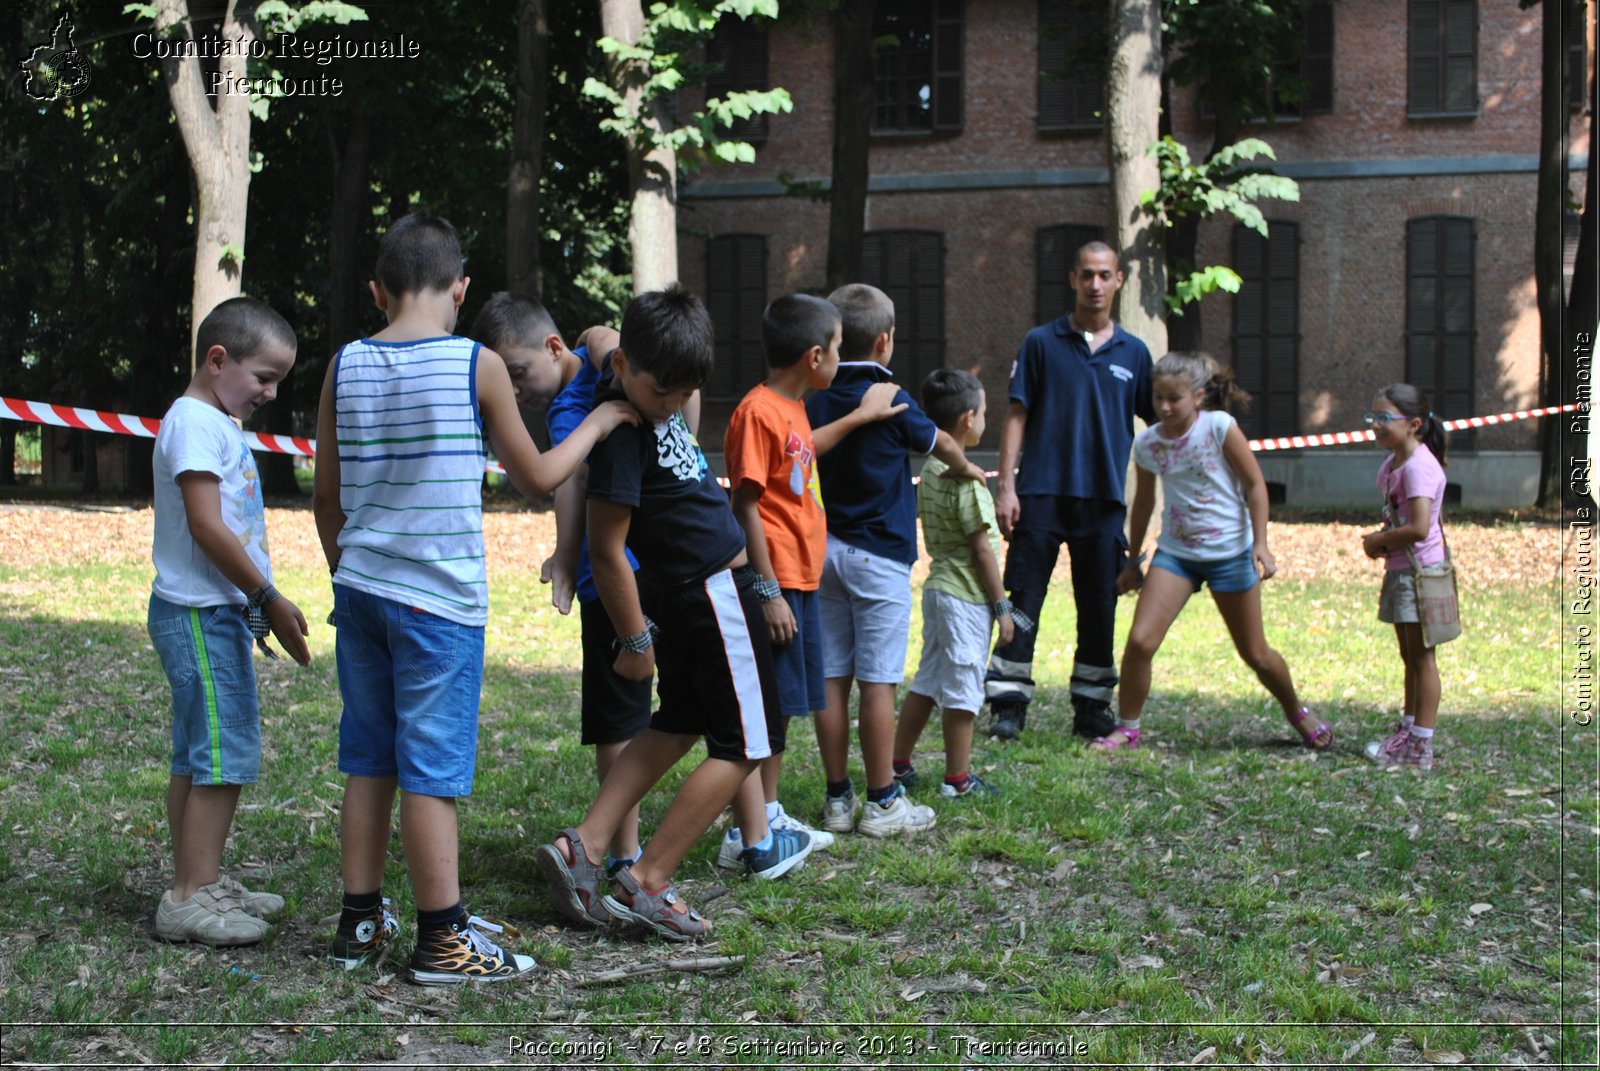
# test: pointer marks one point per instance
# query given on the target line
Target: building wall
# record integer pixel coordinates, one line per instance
(1364, 171)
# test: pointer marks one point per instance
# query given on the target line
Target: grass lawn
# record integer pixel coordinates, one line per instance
(1219, 896)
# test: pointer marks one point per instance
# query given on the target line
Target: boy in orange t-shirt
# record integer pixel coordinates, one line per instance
(770, 451)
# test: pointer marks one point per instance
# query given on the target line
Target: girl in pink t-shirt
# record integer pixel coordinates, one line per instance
(1412, 482)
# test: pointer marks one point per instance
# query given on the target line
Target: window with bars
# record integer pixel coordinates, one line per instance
(736, 296)
(1056, 251)
(909, 267)
(1440, 332)
(737, 56)
(1577, 36)
(1074, 44)
(916, 65)
(1442, 49)
(1266, 328)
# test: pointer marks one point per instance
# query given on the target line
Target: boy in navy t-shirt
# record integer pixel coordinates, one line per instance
(653, 492)
(865, 597)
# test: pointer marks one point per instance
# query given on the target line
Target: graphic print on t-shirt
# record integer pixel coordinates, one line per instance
(678, 451)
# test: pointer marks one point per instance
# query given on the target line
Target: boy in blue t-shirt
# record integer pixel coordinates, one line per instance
(543, 371)
(865, 597)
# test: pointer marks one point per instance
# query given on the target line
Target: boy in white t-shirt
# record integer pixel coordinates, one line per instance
(211, 600)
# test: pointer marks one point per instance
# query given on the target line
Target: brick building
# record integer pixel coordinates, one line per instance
(1415, 145)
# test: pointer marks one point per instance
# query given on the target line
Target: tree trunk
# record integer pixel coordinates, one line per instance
(852, 136)
(1549, 200)
(1133, 110)
(348, 217)
(1583, 310)
(652, 170)
(218, 143)
(527, 144)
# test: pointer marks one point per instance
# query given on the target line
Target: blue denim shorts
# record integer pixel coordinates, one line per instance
(866, 615)
(216, 720)
(1227, 575)
(798, 666)
(410, 681)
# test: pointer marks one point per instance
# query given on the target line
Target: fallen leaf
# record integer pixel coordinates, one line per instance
(1134, 963)
(909, 994)
(1448, 1056)
(1479, 909)
(1205, 1055)
(403, 1039)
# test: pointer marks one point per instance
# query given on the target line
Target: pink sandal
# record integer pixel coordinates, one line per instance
(1319, 739)
(1129, 741)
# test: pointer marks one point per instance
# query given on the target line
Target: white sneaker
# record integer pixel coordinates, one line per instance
(821, 839)
(728, 855)
(839, 813)
(212, 916)
(898, 817)
(259, 904)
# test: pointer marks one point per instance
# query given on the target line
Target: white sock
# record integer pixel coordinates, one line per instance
(1420, 733)
(773, 810)
(1129, 726)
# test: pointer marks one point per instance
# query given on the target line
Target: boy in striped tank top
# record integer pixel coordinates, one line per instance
(402, 422)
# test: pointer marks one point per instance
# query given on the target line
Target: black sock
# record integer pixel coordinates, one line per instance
(836, 789)
(360, 905)
(882, 795)
(442, 919)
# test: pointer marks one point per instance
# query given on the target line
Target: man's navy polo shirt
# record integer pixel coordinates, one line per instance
(866, 479)
(1080, 411)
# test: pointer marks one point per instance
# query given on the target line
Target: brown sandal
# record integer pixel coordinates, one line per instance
(655, 911)
(574, 884)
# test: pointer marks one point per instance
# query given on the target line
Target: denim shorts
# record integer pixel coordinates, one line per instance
(866, 615)
(410, 681)
(955, 651)
(1227, 575)
(798, 666)
(216, 720)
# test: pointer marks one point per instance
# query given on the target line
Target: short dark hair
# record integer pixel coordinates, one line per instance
(508, 319)
(1095, 245)
(793, 324)
(947, 393)
(866, 312)
(242, 326)
(668, 334)
(419, 252)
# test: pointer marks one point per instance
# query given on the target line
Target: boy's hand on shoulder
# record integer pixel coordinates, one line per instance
(289, 626)
(964, 471)
(563, 584)
(878, 403)
(635, 665)
(599, 340)
(780, 622)
(607, 416)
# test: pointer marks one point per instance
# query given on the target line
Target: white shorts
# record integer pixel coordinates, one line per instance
(955, 650)
(866, 615)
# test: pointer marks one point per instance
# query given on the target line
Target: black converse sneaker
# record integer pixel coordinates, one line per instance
(463, 954)
(361, 938)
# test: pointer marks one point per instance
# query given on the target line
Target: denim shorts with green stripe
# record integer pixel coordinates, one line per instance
(216, 720)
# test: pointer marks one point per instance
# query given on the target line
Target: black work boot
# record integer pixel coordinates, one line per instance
(1009, 715)
(1090, 719)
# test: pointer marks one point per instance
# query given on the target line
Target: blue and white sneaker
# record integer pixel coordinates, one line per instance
(788, 852)
(821, 839)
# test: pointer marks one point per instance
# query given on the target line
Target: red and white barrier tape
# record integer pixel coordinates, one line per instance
(64, 416)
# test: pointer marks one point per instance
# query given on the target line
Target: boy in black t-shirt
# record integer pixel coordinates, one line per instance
(652, 491)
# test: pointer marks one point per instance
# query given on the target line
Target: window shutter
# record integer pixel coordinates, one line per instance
(1317, 65)
(1460, 55)
(1426, 51)
(908, 266)
(1072, 49)
(947, 49)
(738, 51)
(1054, 249)
(1577, 28)
(1266, 328)
(736, 296)
(1055, 95)
(1441, 334)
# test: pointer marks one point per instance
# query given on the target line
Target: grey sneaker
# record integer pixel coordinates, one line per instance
(259, 904)
(212, 916)
(728, 854)
(975, 786)
(821, 839)
(839, 813)
(898, 817)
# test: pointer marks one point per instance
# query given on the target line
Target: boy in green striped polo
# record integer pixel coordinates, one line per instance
(211, 597)
(962, 597)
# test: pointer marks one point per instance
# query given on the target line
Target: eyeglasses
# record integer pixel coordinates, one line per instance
(1381, 418)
